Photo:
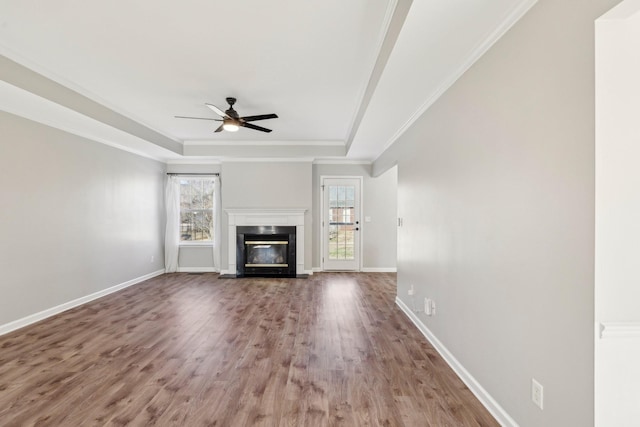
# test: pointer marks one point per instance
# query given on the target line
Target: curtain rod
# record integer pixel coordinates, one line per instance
(194, 174)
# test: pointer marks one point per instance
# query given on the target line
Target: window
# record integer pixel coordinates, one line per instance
(196, 209)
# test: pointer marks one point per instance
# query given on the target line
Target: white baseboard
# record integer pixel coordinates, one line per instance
(483, 396)
(33, 318)
(317, 270)
(197, 270)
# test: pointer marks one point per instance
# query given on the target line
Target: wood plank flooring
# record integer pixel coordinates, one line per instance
(196, 350)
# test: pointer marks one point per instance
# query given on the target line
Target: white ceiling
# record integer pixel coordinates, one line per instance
(345, 78)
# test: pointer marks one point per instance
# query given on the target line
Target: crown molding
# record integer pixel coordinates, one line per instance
(22, 103)
(341, 162)
(195, 161)
(267, 160)
(55, 78)
(391, 25)
(518, 11)
(209, 142)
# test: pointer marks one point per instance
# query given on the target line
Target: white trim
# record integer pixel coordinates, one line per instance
(373, 68)
(325, 161)
(68, 84)
(359, 215)
(619, 330)
(514, 16)
(267, 160)
(265, 216)
(196, 244)
(379, 270)
(212, 142)
(36, 317)
(317, 269)
(197, 270)
(200, 161)
(483, 396)
(261, 212)
(23, 103)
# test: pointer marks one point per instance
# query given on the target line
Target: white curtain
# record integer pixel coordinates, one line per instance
(172, 233)
(217, 229)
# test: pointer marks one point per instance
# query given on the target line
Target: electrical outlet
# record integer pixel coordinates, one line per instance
(152, 258)
(411, 291)
(427, 306)
(537, 395)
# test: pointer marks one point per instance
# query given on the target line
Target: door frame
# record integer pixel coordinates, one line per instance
(359, 215)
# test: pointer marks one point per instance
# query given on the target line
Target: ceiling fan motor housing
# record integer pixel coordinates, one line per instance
(231, 112)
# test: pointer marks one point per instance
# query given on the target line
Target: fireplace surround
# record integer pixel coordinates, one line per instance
(269, 222)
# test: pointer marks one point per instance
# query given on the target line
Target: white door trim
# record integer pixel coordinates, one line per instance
(359, 213)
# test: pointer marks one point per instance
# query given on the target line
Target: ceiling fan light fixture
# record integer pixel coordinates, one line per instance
(230, 126)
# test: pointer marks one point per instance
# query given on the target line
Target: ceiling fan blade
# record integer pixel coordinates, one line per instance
(220, 128)
(216, 110)
(259, 117)
(254, 127)
(197, 118)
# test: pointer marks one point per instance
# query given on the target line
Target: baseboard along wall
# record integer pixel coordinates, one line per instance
(36, 317)
(483, 396)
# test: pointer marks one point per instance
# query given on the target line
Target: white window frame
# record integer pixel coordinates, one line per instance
(197, 243)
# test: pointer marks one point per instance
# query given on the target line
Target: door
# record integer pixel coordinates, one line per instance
(341, 223)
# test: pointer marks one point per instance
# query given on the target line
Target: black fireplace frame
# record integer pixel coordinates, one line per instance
(244, 233)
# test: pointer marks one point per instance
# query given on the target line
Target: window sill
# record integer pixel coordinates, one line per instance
(195, 244)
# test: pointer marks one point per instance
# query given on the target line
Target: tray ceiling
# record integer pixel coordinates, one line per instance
(345, 78)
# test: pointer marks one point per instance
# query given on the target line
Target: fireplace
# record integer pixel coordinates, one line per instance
(266, 251)
(266, 219)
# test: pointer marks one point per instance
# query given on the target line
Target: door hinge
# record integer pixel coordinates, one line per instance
(322, 186)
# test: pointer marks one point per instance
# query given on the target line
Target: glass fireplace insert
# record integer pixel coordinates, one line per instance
(266, 251)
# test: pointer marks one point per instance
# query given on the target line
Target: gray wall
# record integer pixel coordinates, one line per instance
(77, 217)
(267, 185)
(379, 237)
(496, 188)
(243, 185)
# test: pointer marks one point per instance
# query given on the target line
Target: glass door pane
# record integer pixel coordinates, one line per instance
(341, 222)
(341, 210)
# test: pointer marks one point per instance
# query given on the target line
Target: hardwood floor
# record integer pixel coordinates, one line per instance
(195, 350)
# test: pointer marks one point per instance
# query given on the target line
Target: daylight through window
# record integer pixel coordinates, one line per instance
(196, 209)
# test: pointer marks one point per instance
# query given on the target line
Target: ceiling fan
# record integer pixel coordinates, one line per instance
(230, 119)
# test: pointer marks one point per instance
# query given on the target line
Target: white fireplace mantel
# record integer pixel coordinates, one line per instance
(262, 216)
